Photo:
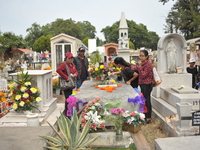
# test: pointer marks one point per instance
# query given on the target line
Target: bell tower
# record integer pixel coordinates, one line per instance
(123, 41)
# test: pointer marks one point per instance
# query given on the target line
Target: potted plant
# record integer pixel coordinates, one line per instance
(56, 87)
(133, 121)
(23, 95)
(68, 135)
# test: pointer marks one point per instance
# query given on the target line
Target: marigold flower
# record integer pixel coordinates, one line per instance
(102, 66)
(96, 69)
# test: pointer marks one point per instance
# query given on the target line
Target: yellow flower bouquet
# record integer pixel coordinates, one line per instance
(24, 96)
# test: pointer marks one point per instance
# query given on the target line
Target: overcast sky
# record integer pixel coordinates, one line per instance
(18, 15)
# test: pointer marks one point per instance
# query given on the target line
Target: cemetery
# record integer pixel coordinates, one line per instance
(174, 102)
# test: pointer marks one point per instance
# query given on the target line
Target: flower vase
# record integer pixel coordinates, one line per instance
(119, 133)
(57, 91)
(26, 112)
(98, 78)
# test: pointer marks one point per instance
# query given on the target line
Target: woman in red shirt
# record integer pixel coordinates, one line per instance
(145, 80)
(62, 71)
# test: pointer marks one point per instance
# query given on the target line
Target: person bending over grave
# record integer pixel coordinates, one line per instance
(130, 76)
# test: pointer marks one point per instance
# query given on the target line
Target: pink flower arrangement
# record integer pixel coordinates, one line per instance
(94, 111)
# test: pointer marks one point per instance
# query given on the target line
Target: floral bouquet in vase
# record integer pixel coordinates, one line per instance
(133, 121)
(24, 96)
(94, 111)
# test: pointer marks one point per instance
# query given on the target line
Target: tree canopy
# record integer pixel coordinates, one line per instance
(138, 34)
(42, 43)
(184, 18)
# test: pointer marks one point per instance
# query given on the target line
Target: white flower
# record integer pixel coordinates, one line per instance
(92, 107)
(142, 116)
(23, 88)
(130, 120)
(33, 90)
(27, 83)
(25, 95)
(21, 103)
(18, 97)
(126, 114)
(38, 99)
(97, 104)
(14, 106)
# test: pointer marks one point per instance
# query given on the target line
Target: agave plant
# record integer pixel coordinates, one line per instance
(69, 137)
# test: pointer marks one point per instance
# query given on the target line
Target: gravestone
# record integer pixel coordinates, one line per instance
(167, 97)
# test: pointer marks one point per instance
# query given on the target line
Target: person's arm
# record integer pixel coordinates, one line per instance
(60, 70)
(114, 73)
(135, 75)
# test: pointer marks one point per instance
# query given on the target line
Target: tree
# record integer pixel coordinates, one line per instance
(164, 1)
(42, 43)
(85, 41)
(9, 42)
(87, 29)
(34, 33)
(138, 34)
(131, 45)
(184, 19)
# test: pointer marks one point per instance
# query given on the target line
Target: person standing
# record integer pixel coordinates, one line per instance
(193, 70)
(81, 63)
(145, 80)
(130, 76)
(62, 71)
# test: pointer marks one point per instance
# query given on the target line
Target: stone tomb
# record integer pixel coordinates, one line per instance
(43, 80)
(166, 98)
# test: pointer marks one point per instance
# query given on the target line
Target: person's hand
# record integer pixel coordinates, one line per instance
(128, 82)
(112, 74)
(88, 78)
(75, 75)
(68, 79)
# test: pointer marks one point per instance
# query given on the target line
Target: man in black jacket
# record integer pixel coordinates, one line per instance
(82, 64)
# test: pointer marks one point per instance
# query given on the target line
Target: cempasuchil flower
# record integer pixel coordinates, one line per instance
(38, 99)
(18, 97)
(96, 69)
(102, 66)
(21, 103)
(25, 95)
(23, 89)
(33, 90)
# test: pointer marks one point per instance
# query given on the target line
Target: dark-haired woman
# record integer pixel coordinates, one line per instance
(130, 76)
(145, 80)
(62, 71)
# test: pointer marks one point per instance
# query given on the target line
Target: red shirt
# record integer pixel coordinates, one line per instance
(61, 70)
(145, 73)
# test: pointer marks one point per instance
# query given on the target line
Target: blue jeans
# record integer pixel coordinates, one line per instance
(79, 82)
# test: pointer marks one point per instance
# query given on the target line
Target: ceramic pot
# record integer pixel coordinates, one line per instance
(98, 78)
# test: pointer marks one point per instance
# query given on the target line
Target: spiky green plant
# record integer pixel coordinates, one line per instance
(69, 137)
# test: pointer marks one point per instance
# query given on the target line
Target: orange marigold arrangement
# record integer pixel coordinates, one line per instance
(47, 68)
